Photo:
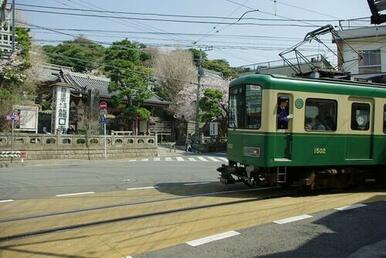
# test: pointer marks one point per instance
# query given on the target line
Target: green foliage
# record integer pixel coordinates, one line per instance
(196, 56)
(14, 84)
(130, 78)
(210, 105)
(219, 65)
(24, 45)
(81, 54)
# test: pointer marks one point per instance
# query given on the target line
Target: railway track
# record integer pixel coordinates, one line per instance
(151, 220)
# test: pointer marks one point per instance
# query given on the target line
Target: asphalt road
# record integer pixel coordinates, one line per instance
(47, 179)
(359, 232)
(175, 207)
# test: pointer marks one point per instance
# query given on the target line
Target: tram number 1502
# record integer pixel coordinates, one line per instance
(320, 151)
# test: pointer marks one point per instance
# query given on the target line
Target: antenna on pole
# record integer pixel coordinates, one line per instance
(274, 4)
(13, 25)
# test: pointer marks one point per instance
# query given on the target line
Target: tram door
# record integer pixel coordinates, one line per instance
(359, 141)
(283, 137)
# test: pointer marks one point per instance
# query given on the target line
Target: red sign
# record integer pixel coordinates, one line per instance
(10, 117)
(103, 105)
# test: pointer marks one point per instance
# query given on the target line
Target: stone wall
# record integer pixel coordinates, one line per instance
(45, 146)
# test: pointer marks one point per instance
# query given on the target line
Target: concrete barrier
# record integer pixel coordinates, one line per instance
(45, 146)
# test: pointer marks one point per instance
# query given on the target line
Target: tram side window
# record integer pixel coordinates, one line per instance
(321, 115)
(360, 116)
(384, 118)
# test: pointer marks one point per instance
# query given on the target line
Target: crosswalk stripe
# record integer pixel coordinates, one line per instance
(157, 159)
(202, 158)
(180, 159)
(168, 159)
(192, 159)
(213, 159)
(223, 159)
(144, 159)
(132, 160)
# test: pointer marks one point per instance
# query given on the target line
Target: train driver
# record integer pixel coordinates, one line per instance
(283, 115)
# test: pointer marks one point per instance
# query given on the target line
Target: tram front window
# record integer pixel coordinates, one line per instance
(245, 107)
(253, 106)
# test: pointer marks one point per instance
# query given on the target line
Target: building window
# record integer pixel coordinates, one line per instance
(370, 62)
(321, 115)
(360, 116)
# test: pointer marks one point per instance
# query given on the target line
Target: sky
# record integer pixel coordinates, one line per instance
(238, 44)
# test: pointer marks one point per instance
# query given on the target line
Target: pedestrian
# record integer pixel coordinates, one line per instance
(188, 143)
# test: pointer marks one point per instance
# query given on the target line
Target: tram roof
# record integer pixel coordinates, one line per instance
(341, 87)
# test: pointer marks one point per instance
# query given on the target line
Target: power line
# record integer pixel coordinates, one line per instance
(143, 25)
(268, 13)
(268, 37)
(178, 15)
(168, 20)
(240, 47)
(308, 10)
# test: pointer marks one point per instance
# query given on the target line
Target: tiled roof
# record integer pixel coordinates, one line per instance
(100, 83)
(88, 82)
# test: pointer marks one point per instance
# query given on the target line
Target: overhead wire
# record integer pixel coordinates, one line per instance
(124, 22)
(262, 37)
(183, 16)
(214, 30)
(168, 20)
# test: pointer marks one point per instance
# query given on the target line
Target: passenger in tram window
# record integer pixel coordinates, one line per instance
(283, 115)
(318, 125)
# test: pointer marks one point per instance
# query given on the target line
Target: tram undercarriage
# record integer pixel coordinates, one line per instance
(308, 177)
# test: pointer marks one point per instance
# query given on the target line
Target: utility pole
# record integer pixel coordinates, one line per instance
(13, 25)
(200, 73)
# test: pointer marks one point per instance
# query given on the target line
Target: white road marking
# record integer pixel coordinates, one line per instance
(179, 159)
(141, 188)
(192, 159)
(132, 160)
(125, 180)
(168, 159)
(128, 256)
(223, 159)
(144, 159)
(292, 219)
(212, 238)
(202, 159)
(213, 159)
(157, 159)
(2, 201)
(73, 194)
(198, 183)
(350, 207)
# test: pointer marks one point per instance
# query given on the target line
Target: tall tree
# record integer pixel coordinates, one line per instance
(213, 108)
(127, 65)
(211, 105)
(196, 56)
(82, 54)
(174, 70)
(16, 86)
